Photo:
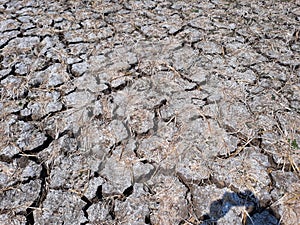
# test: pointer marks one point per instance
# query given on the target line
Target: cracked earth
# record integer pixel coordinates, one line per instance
(149, 112)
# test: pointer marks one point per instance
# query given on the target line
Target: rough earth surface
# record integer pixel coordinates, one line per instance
(149, 112)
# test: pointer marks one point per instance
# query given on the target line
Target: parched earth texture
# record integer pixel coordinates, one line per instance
(150, 112)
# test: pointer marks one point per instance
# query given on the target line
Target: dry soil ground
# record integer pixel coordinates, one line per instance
(149, 112)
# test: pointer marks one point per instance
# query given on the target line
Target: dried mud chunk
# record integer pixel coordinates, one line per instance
(8, 151)
(9, 24)
(142, 85)
(74, 36)
(10, 173)
(284, 179)
(23, 67)
(142, 172)
(70, 172)
(124, 56)
(214, 205)
(131, 58)
(5, 37)
(78, 69)
(141, 120)
(4, 73)
(159, 150)
(55, 79)
(233, 217)
(180, 108)
(93, 187)
(118, 174)
(41, 104)
(202, 23)
(48, 43)
(247, 170)
(68, 145)
(96, 140)
(288, 206)
(247, 76)
(231, 114)
(191, 35)
(12, 219)
(170, 196)
(31, 171)
(209, 47)
(104, 33)
(174, 24)
(134, 209)
(118, 131)
(284, 148)
(285, 184)
(99, 213)
(154, 31)
(28, 137)
(249, 57)
(97, 63)
(90, 82)
(119, 66)
(53, 107)
(119, 82)
(203, 197)
(60, 207)
(184, 58)
(31, 140)
(22, 44)
(54, 75)
(14, 87)
(191, 167)
(78, 99)
(217, 141)
(19, 198)
(198, 74)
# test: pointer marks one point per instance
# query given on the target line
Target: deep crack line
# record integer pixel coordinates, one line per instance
(42, 195)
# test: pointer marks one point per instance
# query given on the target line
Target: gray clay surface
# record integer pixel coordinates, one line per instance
(149, 112)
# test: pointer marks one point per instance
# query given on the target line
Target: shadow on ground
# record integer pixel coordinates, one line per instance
(254, 214)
